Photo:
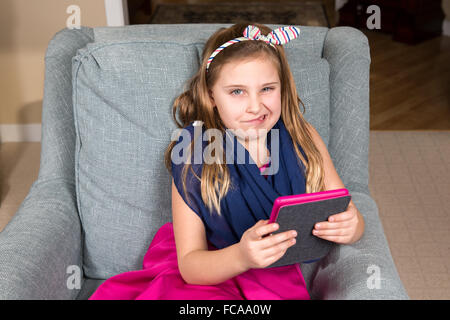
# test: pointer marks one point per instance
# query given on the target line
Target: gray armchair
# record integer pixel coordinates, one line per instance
(103, 191)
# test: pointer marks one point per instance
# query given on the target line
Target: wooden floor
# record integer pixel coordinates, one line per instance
(409, 84)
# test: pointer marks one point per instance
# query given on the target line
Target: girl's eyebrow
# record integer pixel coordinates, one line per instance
(242, 86)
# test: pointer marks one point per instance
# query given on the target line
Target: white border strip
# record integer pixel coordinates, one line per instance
(116, 13)
(20, 132)
(446, 27)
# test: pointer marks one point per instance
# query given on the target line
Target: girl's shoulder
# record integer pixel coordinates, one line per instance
(182, 150)
(189, 186)
(188, 132)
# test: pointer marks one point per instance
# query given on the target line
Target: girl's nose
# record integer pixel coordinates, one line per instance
(254, 104)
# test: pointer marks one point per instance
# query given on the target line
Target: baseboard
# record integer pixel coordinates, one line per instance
(20, 132)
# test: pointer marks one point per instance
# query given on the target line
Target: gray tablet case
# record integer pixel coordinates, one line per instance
(302, 218)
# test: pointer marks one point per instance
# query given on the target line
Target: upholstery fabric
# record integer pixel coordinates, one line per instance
(102, 189)
(44, 237)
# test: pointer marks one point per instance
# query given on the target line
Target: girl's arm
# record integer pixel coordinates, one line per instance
(197, 265)
(346, 227)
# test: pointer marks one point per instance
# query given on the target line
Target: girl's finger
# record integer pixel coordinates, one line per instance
(278, 238)
(343, 216)
(333, 232)
(278, 249)
(336, 239)
(264, 229)
(332, 225)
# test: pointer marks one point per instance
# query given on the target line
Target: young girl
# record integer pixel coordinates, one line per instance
(220, 242)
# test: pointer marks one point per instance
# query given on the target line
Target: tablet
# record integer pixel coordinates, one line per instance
(301, 212)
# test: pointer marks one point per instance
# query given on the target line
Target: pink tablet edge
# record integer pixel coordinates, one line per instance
(304, 198)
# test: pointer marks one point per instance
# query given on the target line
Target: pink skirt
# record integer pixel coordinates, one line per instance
(160, 279)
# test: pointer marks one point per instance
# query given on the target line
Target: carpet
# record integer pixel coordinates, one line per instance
(289, 13)
(409, 180)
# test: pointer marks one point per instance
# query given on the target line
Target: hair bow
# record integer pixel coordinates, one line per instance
(279, 36)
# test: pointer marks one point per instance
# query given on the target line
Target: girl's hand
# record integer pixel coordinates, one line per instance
(257, 251)
(345, 227)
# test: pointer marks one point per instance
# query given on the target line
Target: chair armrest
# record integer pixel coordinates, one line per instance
(347, 271)
(363, 270)
(42, 239)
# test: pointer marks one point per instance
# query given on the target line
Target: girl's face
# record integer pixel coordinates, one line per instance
(247, 90)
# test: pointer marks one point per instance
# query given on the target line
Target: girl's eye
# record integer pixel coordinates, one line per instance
(270, 88)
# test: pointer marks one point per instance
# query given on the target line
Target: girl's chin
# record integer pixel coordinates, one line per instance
(252, 134)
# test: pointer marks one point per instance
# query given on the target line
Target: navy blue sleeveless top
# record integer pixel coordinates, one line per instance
(251, 195)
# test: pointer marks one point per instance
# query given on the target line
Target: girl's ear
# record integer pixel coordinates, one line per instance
(211, 97)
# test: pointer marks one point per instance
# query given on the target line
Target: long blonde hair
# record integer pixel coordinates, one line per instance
(195, 104)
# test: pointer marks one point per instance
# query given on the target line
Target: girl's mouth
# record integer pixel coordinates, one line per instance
(258, 120)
